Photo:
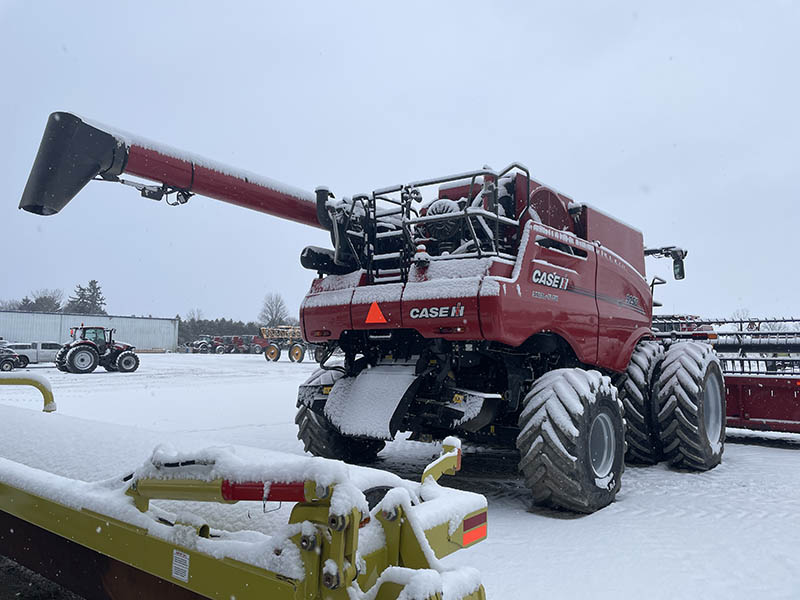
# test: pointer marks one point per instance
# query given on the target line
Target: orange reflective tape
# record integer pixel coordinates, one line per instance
(474, 535)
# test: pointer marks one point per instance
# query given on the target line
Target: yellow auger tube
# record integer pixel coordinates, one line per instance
(37, 381)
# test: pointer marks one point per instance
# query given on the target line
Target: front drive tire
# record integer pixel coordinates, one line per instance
(297, 353)
(690, 392)
(127, 362)
(572, 440)
(272, 352)
(319, 436)
(82, 359)
(635, 389)
(319, 353)
(24, 361)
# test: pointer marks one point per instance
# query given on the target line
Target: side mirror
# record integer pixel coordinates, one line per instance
(678, 269)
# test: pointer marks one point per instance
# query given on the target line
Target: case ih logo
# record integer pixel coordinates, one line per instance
(435, 312)
(550, 279)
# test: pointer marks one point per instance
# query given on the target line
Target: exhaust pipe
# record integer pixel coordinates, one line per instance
(73, 152)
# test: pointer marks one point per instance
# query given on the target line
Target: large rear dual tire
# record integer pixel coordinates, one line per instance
(320, 437)
(690, 394)
(674, 405)
(635, 389)
(572, 440)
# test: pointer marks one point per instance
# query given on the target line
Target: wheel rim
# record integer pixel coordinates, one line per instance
(6, 366)
(712, 410)
(126, 362)
(602, 441)
(82, 360)
(272, 353)
(296, 353)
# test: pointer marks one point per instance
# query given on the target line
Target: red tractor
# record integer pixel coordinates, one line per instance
(484, 304)
(206, 344)
(95, 346)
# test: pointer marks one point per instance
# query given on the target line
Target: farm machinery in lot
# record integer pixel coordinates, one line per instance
(483, 304)
(206, 344)
(95, 346)
(274, 340)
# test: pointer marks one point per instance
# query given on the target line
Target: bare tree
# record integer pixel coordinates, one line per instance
(273, 311)
(740, 314)
(195, 314)
(9, 304)
(775, 326)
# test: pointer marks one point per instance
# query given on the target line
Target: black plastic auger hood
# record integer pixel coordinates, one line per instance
(71, 154)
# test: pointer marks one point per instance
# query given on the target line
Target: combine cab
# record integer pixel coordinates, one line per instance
(484, 304)
(95, 346)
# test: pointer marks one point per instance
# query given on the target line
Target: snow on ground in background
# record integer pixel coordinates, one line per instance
(729, 533)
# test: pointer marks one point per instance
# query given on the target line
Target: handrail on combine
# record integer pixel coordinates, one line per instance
(40, 383)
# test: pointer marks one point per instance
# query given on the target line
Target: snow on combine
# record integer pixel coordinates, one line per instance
(95, 346)
(353, 533)
(760, 359)
(483, 304)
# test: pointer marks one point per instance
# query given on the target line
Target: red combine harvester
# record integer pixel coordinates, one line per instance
(761, 363)
(483, 304)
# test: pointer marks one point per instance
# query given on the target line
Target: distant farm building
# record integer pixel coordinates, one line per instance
(146, 333)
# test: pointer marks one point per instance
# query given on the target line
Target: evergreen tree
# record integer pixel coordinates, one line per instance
(88, 300)
(77, 303)
(97, 302)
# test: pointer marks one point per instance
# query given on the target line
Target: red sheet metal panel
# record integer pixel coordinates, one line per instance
(763, 402)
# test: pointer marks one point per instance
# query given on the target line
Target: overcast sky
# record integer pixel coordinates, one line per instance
(680, 118)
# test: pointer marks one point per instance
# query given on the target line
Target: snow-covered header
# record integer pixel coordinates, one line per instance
(130, 139)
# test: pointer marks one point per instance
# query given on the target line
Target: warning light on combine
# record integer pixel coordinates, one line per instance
(375, 315)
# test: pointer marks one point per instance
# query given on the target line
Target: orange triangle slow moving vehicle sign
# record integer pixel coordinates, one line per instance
(375, 315)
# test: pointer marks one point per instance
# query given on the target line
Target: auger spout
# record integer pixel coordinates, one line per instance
(75, 151)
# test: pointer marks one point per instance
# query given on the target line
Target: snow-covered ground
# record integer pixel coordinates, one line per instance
(732, 532)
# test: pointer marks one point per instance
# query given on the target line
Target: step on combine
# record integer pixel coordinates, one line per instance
(483, 304)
